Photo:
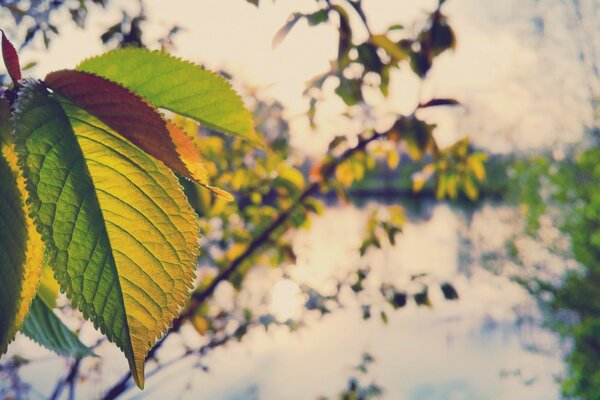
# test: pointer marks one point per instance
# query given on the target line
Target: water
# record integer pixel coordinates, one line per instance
(486, 345)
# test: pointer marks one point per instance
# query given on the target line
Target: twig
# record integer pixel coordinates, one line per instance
(71, 377)
(198, 298)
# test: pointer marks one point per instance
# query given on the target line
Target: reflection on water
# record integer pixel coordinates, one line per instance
(486, 345)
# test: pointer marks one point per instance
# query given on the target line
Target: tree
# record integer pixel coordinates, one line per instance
(87, 104)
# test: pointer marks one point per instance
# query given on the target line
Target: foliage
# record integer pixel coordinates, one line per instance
(565, 192)
(111, 195)
(576, 298)
(116, 227)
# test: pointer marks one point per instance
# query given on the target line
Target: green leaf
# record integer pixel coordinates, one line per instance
(119, 233)
(137, 121)
(179, 86)
(5, 127)
(395, 52)
(318, 17)
(20, 250)
(130, 116)
(49, 288)
(45, 328)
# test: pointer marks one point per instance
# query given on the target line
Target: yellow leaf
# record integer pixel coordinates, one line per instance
(200, 324)
(291, 175)
(393, 159)
(21, 247)
(235, 250)
(390, 47)
(477, 166)
(49, 288)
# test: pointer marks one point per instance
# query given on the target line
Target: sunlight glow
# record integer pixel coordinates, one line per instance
(286, 300)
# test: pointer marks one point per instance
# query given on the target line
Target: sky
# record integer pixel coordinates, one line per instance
(522, 87)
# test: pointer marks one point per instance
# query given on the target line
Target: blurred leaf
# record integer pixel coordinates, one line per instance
(200, 324)
(395, 52)
(399, 299)
(442, 36)
(439, 102)
(477, 166)
(291, 174)
(285, 29)
(336, 142)
(350, 91)
(449, 292)
(422, 298)
(384, 317)
(470, 188)
(393, 159)
(345, 37)
(366, 311)
(367, 55)
(46, 329)
(317, 17)
(421, 62)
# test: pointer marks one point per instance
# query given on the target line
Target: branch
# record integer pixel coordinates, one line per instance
(198, 298)
(71, 378)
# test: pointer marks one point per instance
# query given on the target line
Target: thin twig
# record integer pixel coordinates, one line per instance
(264, 237)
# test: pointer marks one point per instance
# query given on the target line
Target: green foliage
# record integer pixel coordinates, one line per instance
(45, 328)
(93, 164)
(574, 302)
(120, 235)
(189, 90)
(100, 203)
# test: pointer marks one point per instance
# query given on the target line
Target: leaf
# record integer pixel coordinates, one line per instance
(119, 232)
(178, 86)
(422, 298)
(285, 29)
(470, 188)
(439, 102)
(318, 17)
(20, 250)
(345, 39)
(398, 299)
(476, 164)
(49, 288)
(191, 157)
(5, 126)
(45, 328)
(11, 59)
(449, 291)
(291, 174)
(396, 53)
(131, 117)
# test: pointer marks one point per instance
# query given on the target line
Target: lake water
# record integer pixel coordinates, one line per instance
(488, 344)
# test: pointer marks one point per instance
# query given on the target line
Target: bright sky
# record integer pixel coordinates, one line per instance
(520, 89)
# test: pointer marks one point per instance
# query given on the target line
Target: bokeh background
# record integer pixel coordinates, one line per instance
(526, 76)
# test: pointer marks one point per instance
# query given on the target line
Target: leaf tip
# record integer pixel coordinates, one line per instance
(11, 58)
(223, 194)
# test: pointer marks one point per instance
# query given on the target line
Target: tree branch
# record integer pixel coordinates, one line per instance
(198, 298)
